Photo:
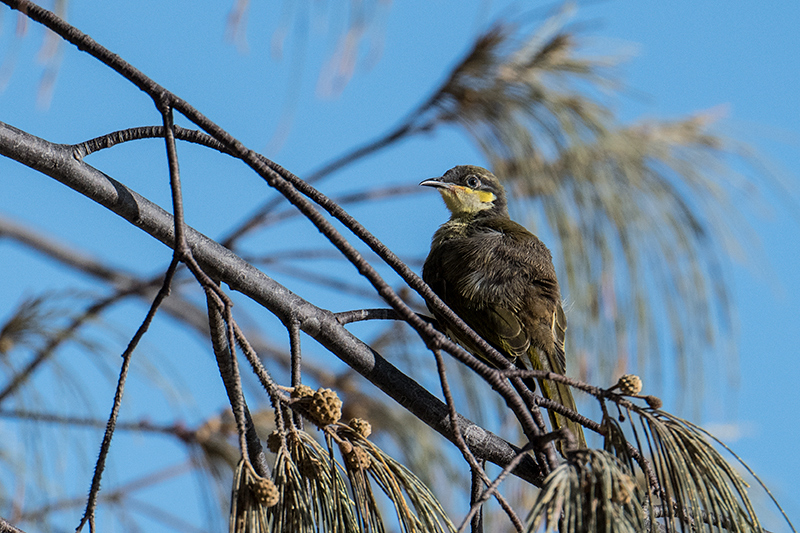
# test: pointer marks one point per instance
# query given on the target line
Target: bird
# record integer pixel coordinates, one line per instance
(499, 278)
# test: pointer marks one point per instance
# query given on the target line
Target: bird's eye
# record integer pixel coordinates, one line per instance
(473, 182)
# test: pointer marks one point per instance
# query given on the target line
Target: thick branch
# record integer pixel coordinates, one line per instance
(126, 283)
(57, 161)
(293, 189)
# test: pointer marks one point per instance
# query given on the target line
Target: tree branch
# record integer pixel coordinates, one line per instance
(293, 189)
(58, 162)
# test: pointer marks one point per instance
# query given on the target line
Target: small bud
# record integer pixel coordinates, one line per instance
(654, 402)
(361, 426)
(346, 447)
(630, 384)
(264, 490)
(302, 391)
(274, 441)
(326, 407)
(358, 459)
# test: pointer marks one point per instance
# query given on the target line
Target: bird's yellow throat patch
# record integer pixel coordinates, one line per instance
(465, 201)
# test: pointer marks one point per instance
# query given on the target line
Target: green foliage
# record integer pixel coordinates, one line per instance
(612, 200)
(591, 491)
(313, 489)
(683, 483)
(697, 485)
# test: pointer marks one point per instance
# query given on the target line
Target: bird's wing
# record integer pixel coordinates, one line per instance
(456, 278)
(559, 334)
(502, 286)
(499, 326)
(506, 330)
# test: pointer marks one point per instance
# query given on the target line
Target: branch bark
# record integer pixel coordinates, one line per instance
(58, 162)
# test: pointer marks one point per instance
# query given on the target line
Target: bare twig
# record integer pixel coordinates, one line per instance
(178, 429)
(181, 248)
(475, 467)
(476, 489)
(358, 315)
(58, 162)
(492, 488)
(91, 504)
(266, 380)
(293, 326)
(223, 343)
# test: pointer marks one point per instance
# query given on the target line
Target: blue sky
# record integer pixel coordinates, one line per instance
(739, 57)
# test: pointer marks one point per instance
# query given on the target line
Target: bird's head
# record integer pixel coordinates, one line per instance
(470, 191)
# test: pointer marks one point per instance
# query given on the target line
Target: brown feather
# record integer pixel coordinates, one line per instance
(499, 278)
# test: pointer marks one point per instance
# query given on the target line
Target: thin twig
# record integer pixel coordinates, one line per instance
(222, 343)
(530, 428)
(476, 489)
(492, 487)
(181, 248)
(273, 170)
(57, 161)
(91, 503)
(266, 380)
(297, 360)
(219, 305)
(475, 467)
(179, 430)
(358, 315)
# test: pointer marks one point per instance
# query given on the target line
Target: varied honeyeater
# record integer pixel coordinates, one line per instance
(499, 278)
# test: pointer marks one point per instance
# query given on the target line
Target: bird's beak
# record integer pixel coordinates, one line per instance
(435, 182)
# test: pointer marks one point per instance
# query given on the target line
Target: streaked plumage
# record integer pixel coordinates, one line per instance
(499, 278)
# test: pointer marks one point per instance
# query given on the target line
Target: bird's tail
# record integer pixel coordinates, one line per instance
(562, 393)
